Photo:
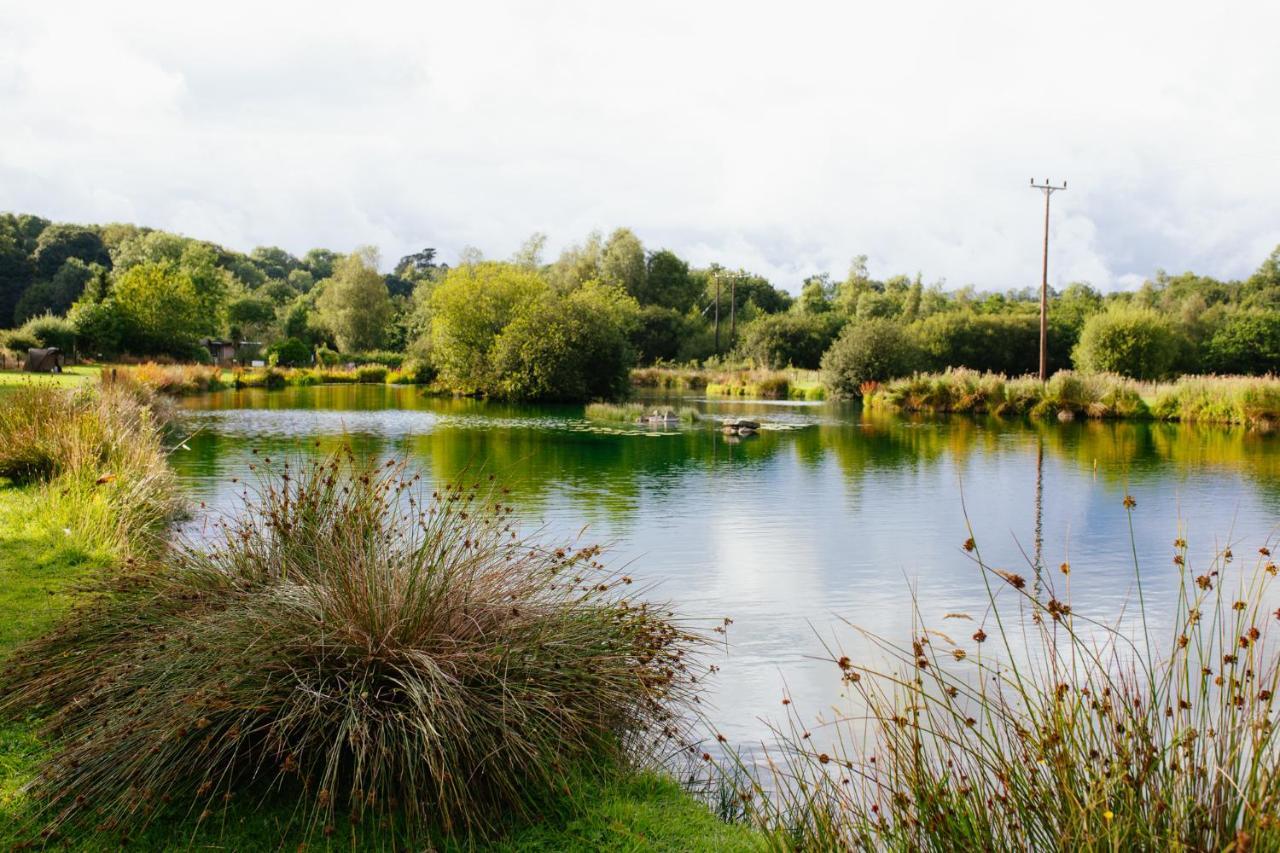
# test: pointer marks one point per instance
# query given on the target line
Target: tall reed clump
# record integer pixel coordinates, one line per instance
(632, 412)
(1066, 394)
(98, 453)
(1050, 729)
(1221, 399)
(359, 646)
(172, 379)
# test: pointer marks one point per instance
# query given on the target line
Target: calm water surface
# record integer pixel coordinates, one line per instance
(840, 517)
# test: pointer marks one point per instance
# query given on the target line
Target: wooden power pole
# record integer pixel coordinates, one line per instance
(1048, 189)
(717, 312)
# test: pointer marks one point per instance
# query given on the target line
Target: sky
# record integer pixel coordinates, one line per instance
(785, 138)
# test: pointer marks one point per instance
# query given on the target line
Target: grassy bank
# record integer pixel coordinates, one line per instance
(495, 706)
(755, 383)
(1205, 399)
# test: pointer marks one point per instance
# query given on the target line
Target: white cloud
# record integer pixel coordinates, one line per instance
(784, 139)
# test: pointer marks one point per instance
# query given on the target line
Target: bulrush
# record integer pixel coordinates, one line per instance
(360, 644)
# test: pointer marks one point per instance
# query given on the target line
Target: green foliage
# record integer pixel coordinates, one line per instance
(290, 352)
(160, 311)
(623, 263)
(57, 295)
(99, 327)
(997, 343)
(658, 334)
(51, 331)
(1137, 342)
(867, 351)
(566, 348)
(59, 243)
(789, 340)
(250, 316)
(354, 304)
(1247, 342)
(667, 283)
(469, 309)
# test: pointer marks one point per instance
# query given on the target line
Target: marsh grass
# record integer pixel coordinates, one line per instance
(632, 412)
(96, 454)
(1048, 728)
(1249, 400)
(356, 645)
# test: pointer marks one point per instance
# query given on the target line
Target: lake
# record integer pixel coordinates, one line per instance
(834, 515)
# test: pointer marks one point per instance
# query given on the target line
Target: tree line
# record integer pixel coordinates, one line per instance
(570, 328)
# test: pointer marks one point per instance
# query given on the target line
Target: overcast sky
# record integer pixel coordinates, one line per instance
(782, 137)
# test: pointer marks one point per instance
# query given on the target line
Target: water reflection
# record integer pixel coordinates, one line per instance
(788, 531)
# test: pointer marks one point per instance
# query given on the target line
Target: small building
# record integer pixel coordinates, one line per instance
(223, 352)
(46, 360)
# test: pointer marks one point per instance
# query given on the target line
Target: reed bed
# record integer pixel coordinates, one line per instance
(97, 453)
(1066, 395)
(1221, 399)
(179, 379)
(1048, 728)
(631, 413)
(759, 383)
(356, 645)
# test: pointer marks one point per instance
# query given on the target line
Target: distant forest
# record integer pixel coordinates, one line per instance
(524, 327)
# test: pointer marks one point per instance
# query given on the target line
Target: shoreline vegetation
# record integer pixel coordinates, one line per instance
(187, 749)
(1035, 726)
(1047, 725)
(1243, 400)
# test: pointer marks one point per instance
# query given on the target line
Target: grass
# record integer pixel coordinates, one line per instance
(757, 383)
(631, 413)
(69, 378)
(1050, 728)
(1249, 400)
(460, 685)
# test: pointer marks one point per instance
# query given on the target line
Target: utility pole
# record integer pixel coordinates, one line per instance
(1048, 189)
(717, 312)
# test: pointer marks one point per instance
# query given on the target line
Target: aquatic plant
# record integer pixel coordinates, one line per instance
(173, 379)
(633, 412)
(356, 644)
(1047, 727)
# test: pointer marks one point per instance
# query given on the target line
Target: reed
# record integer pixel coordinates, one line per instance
(1048, 727)
(356, 645)
(632, 412)
(97, 455)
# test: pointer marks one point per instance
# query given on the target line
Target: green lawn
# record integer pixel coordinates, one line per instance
(70, 377)
(41, 564)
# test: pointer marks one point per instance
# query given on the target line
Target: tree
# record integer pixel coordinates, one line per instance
(1140, 343)
(867, 351)
(274, 261)
(57, 243)
(565, 348)
(529, 255)
(250, 317)
(1248, 342)
(16, 273)
(623, 263)
(319, 262)
(815, 295)
(667, 283)
(658, 334)
(354, 303)
(789, 340)
(159, 310)
(99, 327)
(578, 264)
(418, 265)
(469, 309)
(59, 294)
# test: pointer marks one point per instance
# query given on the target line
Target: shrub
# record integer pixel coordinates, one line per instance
(1247, 342)
(98, 326)
(371, 374)
(789, 340)
(290, 352)
(1136, 342)
(658, 334)
(867, 351)
(391, 659)
(19, 341)
(52, 331)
